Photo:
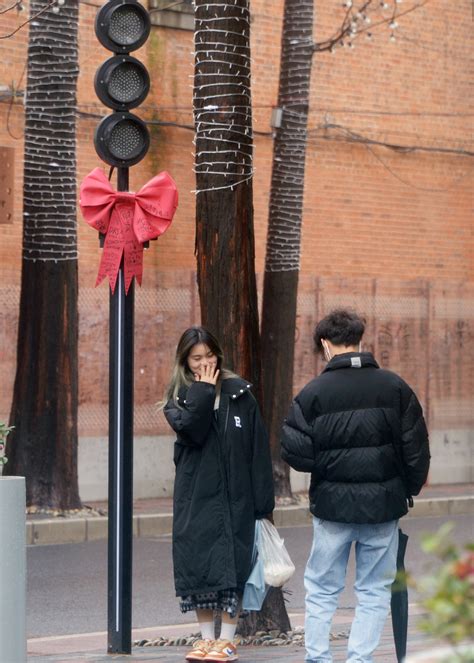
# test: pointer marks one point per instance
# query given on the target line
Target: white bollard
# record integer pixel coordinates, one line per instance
(12, 570)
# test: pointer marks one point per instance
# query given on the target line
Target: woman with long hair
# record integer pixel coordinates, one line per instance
(223, 484)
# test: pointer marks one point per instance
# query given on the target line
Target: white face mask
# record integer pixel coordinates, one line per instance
(327, 352)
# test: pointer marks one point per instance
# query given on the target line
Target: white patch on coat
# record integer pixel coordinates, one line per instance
(237, 422)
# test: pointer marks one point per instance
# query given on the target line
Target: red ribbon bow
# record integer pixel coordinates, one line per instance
(127, 220)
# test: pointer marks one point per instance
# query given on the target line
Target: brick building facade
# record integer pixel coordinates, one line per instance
(387, 214)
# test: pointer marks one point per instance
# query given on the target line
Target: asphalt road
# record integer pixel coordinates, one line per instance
(67, 584)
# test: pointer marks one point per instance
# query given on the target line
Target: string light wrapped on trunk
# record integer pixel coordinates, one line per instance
(122, 83)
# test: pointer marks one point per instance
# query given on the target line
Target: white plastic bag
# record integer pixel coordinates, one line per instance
(277, 565)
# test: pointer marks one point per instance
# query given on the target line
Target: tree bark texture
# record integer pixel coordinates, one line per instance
(282, 259)
(225, 248)
(272, 617)
(43, 445)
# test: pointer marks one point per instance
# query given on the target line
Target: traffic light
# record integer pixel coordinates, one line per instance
(122, 82)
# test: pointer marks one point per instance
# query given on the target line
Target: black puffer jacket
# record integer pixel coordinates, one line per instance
(223, 483)
(358, 429)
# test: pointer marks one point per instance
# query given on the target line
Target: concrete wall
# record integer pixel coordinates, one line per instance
(153, 469)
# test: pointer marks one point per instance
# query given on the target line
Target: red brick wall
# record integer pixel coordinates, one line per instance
(387, 230)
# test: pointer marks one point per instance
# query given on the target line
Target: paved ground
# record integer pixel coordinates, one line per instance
(67, 600)
(67, 584)
(92, 648)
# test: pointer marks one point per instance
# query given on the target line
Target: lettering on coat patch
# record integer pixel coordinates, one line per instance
(237, 422)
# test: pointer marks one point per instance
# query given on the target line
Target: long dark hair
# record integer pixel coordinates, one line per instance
(182, 376)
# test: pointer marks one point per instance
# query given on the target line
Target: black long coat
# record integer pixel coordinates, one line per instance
(223, 483)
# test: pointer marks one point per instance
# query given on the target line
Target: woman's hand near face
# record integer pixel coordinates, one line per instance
(209, 373)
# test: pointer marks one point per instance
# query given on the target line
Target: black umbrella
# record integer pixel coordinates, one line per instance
(399, 601)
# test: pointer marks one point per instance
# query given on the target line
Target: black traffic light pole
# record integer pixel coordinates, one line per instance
(120, 536)
(121, 140)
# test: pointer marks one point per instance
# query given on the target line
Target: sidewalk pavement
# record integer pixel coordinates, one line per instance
(153, 517)
(92, 647)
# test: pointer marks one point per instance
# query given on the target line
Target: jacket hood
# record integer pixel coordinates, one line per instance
(351, 360)
(235, 387)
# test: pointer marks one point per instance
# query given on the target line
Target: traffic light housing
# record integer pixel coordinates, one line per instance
(122, 139)
(122, 82)
(122, 26)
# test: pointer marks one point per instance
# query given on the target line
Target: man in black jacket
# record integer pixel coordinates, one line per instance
(360, 431)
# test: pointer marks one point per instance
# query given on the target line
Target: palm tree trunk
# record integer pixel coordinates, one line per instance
(224, 210)
(282, 259)
(43, 445)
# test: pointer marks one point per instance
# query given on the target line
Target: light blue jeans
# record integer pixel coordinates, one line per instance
(376, 565)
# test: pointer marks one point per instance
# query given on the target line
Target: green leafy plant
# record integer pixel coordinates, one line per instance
(4, 430)
(449, 592)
